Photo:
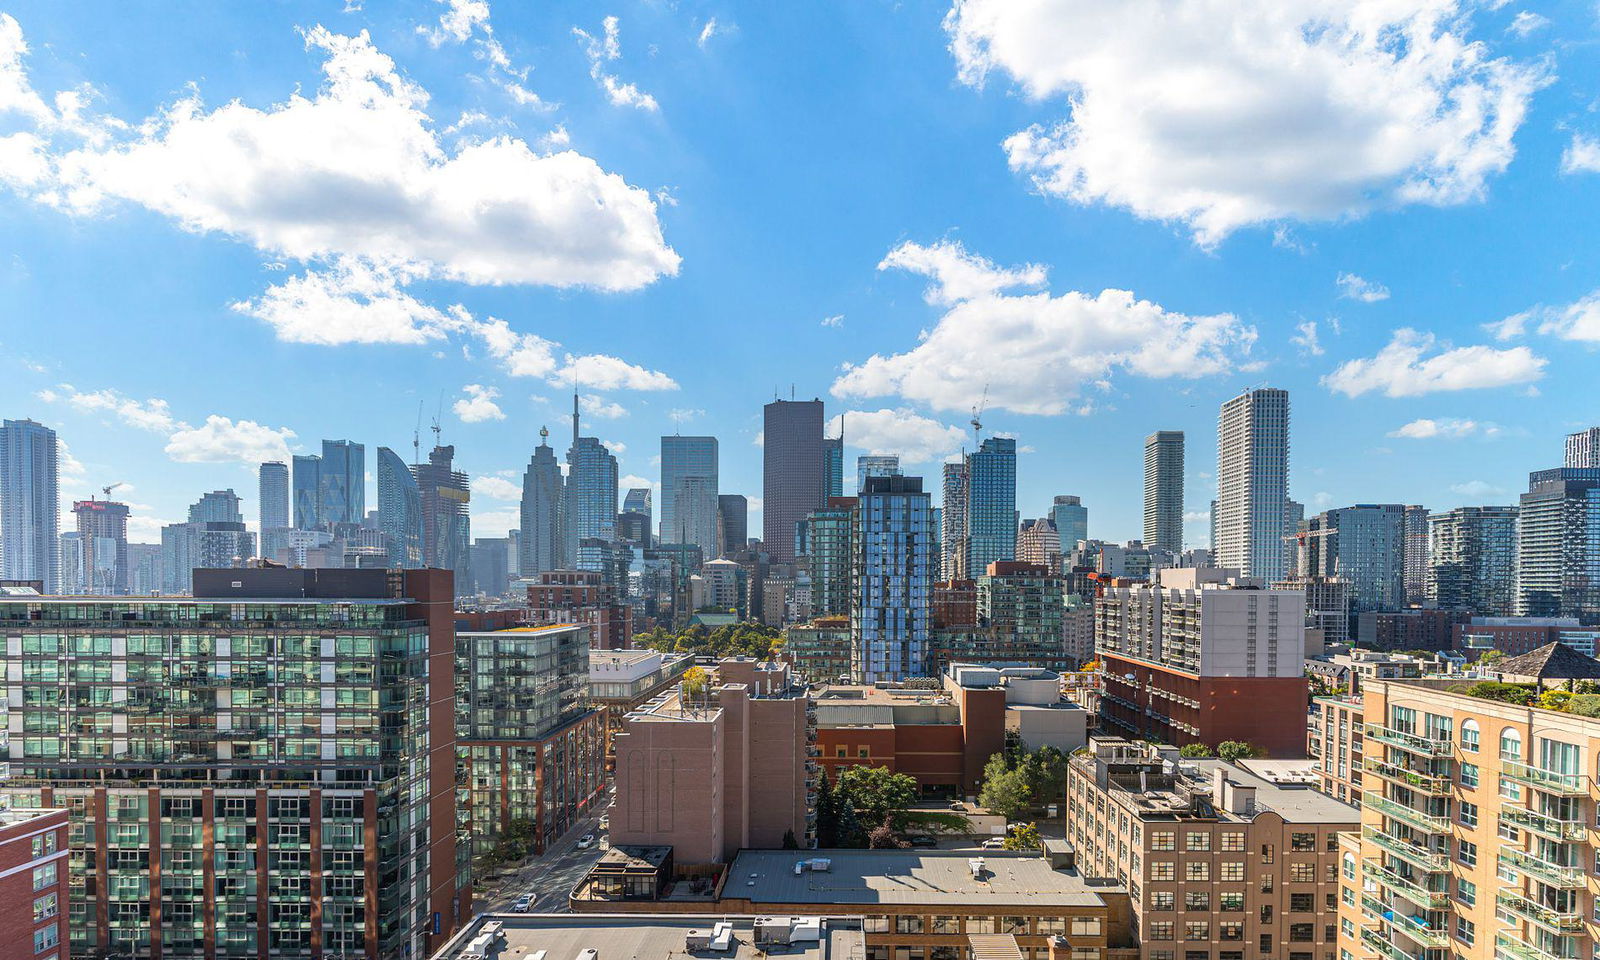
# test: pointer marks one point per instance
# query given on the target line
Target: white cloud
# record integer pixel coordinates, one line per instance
(478, 405)
(837, 320)
(1352, 287)
(1526, 22)
(604, 49)
(465, 20)
(1582, 155)
(1036, 353)
(760, 439)
(617, 447)
(1401, 368)
(495, 523)
(1306, 338)
(707, 32)
(1477, 488)
(457, 22)
(1448, 428)
(497, 488)
(68, 467)
(629, 481)
(1220, 114)
(221, 440)
(153, 414)
(911, 436)
(610, 373)
(600, 408)
(684, 414)
(1577, 321)
(351, 302)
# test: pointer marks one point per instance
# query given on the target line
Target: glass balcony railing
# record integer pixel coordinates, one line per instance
(1425, 822)
(1554, 874)
(1514, 946)
(1551, 919)
(1543, 824)
(1430, 784)
(1410, 742)
(1400, 886)
(1417, 855)
(1413, 926)
(1560, 784)
(1377, 942)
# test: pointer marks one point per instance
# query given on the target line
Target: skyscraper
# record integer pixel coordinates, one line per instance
(217, 506)
(1163, 491)
(444, 493)
(30, 518)
(1253, 483)
(953, 520)
(639, 500)
(733, 518)
(542, 545)
(689, 491)
(1583, 449)
(342, 490)
(1472, 560)
(273, 491)
(399, 511)
(213, 537)
(892, 571)
(1416, 554)
(307, 491)
(833, 465)
(1364, 545)
(103, 527)
(591, 502)
(1558, 545)
(792, 471)
(991, 504)
(875, 465)
(826, 538)
(1072, 521)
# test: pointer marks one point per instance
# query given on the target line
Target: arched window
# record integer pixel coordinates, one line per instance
(1510, 744)
(1469, 735)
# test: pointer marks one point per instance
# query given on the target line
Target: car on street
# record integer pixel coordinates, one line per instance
(522, 905)
(994, 843)
(923, 840)
(586, 841)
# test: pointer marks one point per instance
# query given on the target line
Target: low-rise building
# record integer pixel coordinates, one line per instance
(620, 680)
(656, 937)
(1348, 670)
(820, 650)
(581, 596)
(1219, 862)
(35, 884)
(1514, 635)
(1418, 628)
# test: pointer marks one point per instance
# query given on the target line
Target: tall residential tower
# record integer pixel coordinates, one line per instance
(792, 461)
(1253, 484)
(1163, 491)
(30, 517)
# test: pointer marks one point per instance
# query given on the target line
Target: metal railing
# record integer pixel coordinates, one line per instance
(1547, 917)
(1421, 857)
(1560, 784)
(1425, 822)
(1409, 741)
(1543, 824)
(1421, 782)
(1419, 895)
(1554, 874)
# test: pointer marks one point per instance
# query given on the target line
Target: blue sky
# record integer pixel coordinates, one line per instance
(235, 229)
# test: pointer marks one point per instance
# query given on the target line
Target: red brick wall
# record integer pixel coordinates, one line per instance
(17, 896)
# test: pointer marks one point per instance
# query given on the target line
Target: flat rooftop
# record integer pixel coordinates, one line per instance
(644, 937)
(925, 877)
(1296, 803)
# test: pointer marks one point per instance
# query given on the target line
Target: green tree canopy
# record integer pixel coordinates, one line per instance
(876, 792)
(1023, 836)
(1233, 750)
(1005, 792)
(1195, 751)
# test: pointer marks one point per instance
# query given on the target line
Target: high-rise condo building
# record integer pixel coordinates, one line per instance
(991, 504)
(1163, 491)
(1416, 555)
(591, 503)
(792, 465)
(733, 519)
(1583, 449)
(1294, 522)
(892, 594)
(1203, 656)
(103, 533)
(30, 507)
(1039, 542)
(273, 494)
(1472, 561)
(399, 511)
(833, 466)
(342, 482)
(875, 465)
(1558, 545)
(1253, 484)
(543, 543)
(444, 493)
(268, 769)
(641, 501)
(953, 518)
(1364, 545)
(307, 492)
(491, 565)
(689, 510)
(1072, 521)
(214, 537)
(826, 542)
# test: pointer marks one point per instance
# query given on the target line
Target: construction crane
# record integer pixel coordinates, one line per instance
(977, 416)
(107, 490)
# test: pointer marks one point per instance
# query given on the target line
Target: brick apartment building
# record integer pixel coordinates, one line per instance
(581, 596)
(34, 884)
(1334, 740)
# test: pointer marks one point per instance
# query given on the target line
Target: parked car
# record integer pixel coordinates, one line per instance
(522, 905)
(994, 843)
(586, 841)
(923, 840)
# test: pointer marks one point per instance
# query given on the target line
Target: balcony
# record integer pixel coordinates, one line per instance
(1544, 825)
(1559, 784)
(1380, 944)
(1400, 886)
(1430, 784)
(1513, 946)
(1418, 856)
(1427, 823)
(1553, 920)
(1412, 926)
(1409, 742)
(1554, 874)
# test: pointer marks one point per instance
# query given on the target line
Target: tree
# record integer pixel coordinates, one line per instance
(1197, 751)
(1512, 693)
(695, 682)
(789, 842)
(1490, 656)
(851, 833)
(883, 837)
(827, 813)
(1585, 705)
(1023, 836)
(1007, 794)
(1234, 750)
(1555, 700)
(876, 792)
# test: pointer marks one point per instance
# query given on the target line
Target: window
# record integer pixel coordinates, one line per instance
(1302, 932)
(1266, 943)
(1163, 840)
(1197, 930)
(1197, 870)
(1197, 842)
(1469, 735)
(1510, 789)
(1167, 900)
(1231, 872)
(1467, 852)
(1466, 930)
(1197, 901)
(1510, 744)
(875, 924)
(1302, 842)
(907, 924)
(1348, 862)
(1302, 873)
(1469, 774)
(1230, 902)
(1231, 929)
(1233, 843)
(1468, 814)
(1085, 926)
(1161, 930)
(1162, 870)
(947, 925)
(1266, 853)
(1302, 902)
(46, 937)
(44, 876)
(45, 907)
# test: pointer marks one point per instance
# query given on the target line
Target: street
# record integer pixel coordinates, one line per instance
(549, 877)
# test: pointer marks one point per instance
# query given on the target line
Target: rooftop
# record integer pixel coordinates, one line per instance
(646, 937)
(1553, 661)
(927, 877)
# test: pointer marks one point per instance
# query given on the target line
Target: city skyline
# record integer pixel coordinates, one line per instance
(1388, 359)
